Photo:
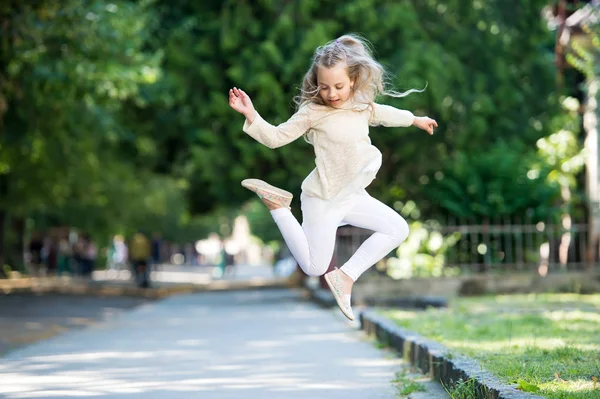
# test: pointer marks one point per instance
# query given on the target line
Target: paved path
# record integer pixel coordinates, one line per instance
(27, 318)
(251, 344)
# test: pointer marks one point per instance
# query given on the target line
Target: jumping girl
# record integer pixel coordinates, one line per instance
(335, 109)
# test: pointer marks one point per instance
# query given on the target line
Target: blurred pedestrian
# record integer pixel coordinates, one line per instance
(140, 252)
(90, 255)
(65, 256)
(156, 250)
(36, 245)
(117, 255)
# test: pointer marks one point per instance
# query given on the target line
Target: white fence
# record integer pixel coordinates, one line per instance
(507, 245)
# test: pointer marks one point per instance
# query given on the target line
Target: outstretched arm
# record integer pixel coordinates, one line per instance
(241, 102)
(262, 131)
(386, 115)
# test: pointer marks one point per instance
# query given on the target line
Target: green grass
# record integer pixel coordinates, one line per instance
(464, 390)
(407, 384)
(546, 343)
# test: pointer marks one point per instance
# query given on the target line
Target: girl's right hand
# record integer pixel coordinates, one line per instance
(240, 101)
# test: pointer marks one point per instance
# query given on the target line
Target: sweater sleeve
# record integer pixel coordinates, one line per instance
(386, 115)
(278, 136)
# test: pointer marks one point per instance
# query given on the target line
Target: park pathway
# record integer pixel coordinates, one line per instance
(239, 344)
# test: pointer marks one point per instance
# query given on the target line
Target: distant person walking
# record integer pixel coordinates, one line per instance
(140, 252)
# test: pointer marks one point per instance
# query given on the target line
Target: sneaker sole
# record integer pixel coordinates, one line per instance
(262, 185)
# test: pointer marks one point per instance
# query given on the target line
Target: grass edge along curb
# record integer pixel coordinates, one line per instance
(432, 359)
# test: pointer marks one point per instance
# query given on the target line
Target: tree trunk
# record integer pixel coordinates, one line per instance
(565, 239)
(592, 146)
(559, 47)
(15, 252)
(3, 217)
(2, 234)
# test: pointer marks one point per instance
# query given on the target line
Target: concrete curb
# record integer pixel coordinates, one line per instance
(434, 359)
(58, 286)
(325, 298)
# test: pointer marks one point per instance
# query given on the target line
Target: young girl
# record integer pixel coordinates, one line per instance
(336, 107)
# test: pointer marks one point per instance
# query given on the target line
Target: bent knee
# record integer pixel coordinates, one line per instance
(317, 267)
(314, 272)
(400, 231)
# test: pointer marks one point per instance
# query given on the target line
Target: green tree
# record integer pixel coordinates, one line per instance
(497, 183)
(487, 65)
(65, 70)
(96, 92)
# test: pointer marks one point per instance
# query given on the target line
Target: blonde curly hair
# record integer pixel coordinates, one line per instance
(368, 75)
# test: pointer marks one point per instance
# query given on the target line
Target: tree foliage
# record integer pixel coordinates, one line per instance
(585, 53)
(67, 70)
(488, 71)
(114, 114)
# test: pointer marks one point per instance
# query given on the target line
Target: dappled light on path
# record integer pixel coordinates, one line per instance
(216, 345)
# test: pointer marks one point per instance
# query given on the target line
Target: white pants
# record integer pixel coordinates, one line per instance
(312, 244)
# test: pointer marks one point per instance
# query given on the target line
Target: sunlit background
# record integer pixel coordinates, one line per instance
(116, 133)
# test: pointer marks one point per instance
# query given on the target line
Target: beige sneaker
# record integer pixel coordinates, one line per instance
(343, 300)
(271, 193)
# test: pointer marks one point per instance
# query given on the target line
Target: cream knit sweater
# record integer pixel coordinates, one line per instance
(346, 161)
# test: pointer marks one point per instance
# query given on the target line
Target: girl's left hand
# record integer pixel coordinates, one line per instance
(425, 123)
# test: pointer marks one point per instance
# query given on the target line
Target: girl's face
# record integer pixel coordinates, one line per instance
(335, 86)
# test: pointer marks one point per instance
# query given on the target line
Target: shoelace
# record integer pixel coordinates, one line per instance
(336, 284)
